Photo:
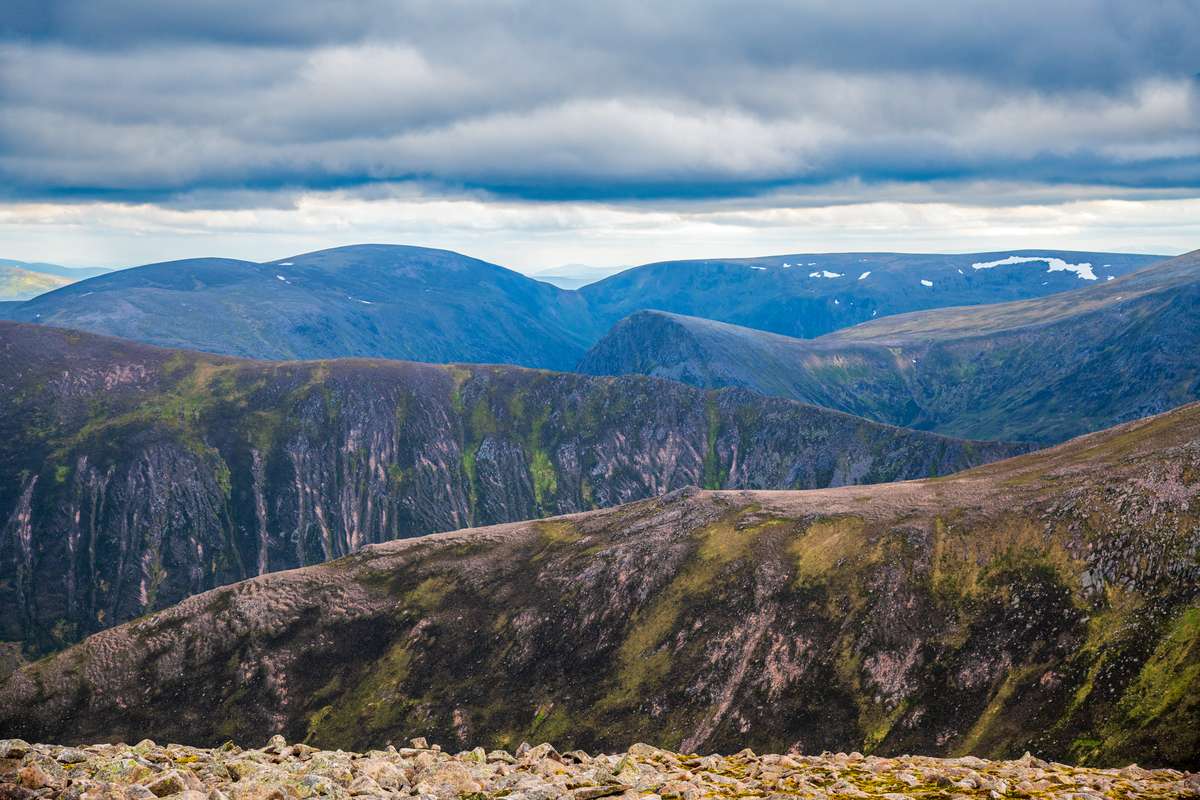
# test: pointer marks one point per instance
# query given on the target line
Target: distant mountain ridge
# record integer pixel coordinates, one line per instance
(24, 280)
(806, 295)
(413, 303)
(1037, 370)
(369, 300)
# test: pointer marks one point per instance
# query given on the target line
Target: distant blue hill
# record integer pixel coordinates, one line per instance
(430, 305)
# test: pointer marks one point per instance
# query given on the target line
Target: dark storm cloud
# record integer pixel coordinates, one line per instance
(151, 99)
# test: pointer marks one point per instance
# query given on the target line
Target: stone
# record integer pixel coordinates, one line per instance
(13, 748)
(592, 792)
(71, 755)
(364, 784)
(11, 791)
(167, 784)
(32, 776)
(420, 743)
(276, 744)
(177, 772)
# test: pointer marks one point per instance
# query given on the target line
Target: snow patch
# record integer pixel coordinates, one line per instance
(960, 272)
(1083, 270)
(836, 302)
(865, 275)
(759, 268)
(286, 264)
(926, 283)
(1109, 278)
(280, 277)
(824, 273)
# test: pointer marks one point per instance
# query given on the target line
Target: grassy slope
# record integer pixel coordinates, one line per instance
(22, 284)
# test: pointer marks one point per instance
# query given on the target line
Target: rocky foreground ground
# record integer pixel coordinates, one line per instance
(280, 771)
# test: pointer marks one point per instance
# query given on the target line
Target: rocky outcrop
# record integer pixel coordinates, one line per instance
(132, 477)
(147, 770)
(1048, 603)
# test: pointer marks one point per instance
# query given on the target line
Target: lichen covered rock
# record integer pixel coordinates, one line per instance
(296, 773)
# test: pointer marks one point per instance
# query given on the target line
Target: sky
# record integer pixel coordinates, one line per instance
(607, 132)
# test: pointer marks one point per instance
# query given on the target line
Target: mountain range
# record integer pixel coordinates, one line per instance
(324, 496)
(1045, 603)
(23, 280)
(388, 301)
(132, 476)
(1038, 370)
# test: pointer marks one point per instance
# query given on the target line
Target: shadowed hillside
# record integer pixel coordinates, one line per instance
(809, 294)
(379, 301)
(1035, 370)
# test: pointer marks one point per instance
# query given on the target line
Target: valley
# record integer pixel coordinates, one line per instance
(133, 476)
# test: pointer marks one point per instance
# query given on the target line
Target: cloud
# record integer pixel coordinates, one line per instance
(168, 101)
(530, 235)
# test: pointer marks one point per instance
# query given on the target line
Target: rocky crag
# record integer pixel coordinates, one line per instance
(147, 771)
(1046, 603)
(131, 477)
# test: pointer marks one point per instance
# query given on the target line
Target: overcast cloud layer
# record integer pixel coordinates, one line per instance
(633, 106)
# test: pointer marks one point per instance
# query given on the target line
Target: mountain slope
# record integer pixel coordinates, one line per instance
(22, 280)
(1046, 603)
(366, 300)
(864, 379)
(44, 268)
(809, 294)
(132, 476)
(1035, 370)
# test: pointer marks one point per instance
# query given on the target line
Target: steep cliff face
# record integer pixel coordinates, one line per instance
(1047, 603)
(132, 477)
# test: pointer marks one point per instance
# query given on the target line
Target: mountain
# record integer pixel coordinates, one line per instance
(809, 294)
(132, 476)
(41, 267)
(366, 300)
(1039, 370)
(1048, 603)
(22, 280)
(27, 280)
(385, 301)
